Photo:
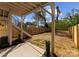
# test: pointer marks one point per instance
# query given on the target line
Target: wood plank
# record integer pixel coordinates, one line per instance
(35, 9)
(4, 8)
(13, 6)
(17, 10)
(26, 5)
(20, 6)
(20, 30)
(20, 12)
(38, 3)
(7, 6)
(47, 11)
(32, 4)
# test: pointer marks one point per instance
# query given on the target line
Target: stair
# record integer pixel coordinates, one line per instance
(4, 37)
(17, 28)
(15, 31)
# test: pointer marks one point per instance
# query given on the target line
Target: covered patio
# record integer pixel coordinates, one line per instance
(7, 10)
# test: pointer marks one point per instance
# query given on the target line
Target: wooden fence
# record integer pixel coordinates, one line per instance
(74, 32)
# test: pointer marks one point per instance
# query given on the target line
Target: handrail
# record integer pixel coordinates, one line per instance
(20, 30)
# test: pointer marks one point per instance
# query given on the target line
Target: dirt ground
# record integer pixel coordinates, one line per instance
(64, 45)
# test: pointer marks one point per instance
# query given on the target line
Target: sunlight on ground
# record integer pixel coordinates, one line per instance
(64, 45)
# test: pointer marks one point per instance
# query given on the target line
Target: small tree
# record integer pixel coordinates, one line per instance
(58, 13)
(40, 15)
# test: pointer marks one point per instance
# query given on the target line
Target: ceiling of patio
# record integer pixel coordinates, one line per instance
(20, 8)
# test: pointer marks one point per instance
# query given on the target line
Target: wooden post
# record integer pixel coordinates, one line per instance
(53, 27)
(9, 29)
(47, 11)
(21, 27)
(76, 35)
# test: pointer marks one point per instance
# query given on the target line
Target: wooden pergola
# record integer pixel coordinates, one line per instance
(22, 8)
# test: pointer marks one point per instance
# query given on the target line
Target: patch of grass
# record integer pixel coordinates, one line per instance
(38, 42)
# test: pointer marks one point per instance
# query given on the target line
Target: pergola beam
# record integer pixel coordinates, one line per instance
(4, 8)
(11, 5)
(32, 4)
(20, 6)
(36, 9)
(47, 11)
(11, 8)
(27, 6)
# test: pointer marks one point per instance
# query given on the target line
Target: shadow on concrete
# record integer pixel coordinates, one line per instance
(11, 49)
(3, 50)
(63, 34)
(54, 55)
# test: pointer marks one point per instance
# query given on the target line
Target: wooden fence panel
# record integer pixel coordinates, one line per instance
(74, 32)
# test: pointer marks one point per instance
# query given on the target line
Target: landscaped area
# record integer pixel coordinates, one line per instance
(39, 29)
(64, 45)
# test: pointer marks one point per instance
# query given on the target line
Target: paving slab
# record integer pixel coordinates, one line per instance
(23, 50)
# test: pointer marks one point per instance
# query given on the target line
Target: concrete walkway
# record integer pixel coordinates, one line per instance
(22, 50)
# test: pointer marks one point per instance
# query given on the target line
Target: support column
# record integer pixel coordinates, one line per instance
(52, 27)
(21, 27)
(9, 29)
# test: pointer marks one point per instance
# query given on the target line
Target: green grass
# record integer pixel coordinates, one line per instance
(38, 42)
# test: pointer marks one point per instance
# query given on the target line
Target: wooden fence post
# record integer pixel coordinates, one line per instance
(76, 35)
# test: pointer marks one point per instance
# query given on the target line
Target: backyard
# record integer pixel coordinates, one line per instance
(32, 30)
(64, 45)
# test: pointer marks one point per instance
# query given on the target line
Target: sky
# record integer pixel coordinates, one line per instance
(65, 7)
(29, 17)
